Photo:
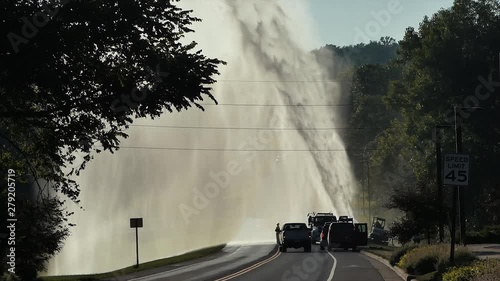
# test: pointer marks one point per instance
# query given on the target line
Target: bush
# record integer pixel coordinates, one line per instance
(484, 270)
(396, 256)
(464, 273)
(426, 264)
(489, 234)
(462, 257)
(429, 258)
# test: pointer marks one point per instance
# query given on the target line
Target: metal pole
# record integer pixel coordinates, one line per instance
(454, 204)
(363, 191)
(439, 185)
(461, 191)
(369, 191)
(137, 246)
(364, 208)
(453, 223)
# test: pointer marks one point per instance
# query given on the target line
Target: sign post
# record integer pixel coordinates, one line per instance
(136, 223)
(456, 173)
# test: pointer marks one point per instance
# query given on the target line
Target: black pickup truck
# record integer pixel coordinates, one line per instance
(295, 235)
(346, 234)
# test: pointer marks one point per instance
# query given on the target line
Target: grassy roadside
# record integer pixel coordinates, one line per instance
(384, 252)
(431, 263)
(143, 266)
(389, 252)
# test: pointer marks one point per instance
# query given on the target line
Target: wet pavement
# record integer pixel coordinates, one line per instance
(486, 251)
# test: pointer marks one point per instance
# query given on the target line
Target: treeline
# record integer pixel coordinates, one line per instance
(70, 87)
(401, 91)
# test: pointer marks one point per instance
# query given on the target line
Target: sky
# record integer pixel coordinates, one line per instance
(346, 22)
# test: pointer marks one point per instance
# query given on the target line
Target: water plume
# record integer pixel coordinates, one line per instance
(244, 180)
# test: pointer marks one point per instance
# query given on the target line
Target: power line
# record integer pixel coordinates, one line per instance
(286, 105)
(285, 81)
(242, 150)
(254, 128)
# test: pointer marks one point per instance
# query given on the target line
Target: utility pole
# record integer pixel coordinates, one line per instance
(458, 191)
(458, 144)
(368, 187)
(453, 223)
(439, 181)
(365, 179)
(455, 197)
(461, 189)
(363, 192)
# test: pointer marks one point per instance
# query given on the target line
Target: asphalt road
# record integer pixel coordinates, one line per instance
(295, 265)
(230, 259)
(261, 263)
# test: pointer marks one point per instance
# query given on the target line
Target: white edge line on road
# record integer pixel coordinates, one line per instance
(396, 270)
(250, 268)
(333, 268)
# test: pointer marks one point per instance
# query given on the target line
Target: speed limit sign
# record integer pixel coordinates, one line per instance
(456, 169)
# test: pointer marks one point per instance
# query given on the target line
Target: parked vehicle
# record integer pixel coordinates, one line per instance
(378, 234)
(295, 235)
(316, 222)
(346, 234)
(323, 243)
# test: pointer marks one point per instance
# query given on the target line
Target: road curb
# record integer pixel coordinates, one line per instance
(401, 273)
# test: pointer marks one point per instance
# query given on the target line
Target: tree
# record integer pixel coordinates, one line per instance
(76, 80)
(450, 60)
(369, 118)
(420, 211)
(73, 75)
(387, 41)
(39, 238)
(347, 57)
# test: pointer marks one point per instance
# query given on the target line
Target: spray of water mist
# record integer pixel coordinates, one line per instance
(261, 41)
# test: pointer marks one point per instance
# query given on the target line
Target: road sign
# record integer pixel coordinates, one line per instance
(456, 169)
(135, 222)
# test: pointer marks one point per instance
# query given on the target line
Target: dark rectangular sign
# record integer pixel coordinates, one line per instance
(456, 169)
(135, 222)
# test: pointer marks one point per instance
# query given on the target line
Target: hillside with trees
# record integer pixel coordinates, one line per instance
(401, 92)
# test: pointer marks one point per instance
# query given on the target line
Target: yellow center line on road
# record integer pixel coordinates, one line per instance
(250, 268)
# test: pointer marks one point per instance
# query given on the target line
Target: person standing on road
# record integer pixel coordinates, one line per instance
(278, 231)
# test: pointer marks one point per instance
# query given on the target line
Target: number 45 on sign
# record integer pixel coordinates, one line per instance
(456, 169)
